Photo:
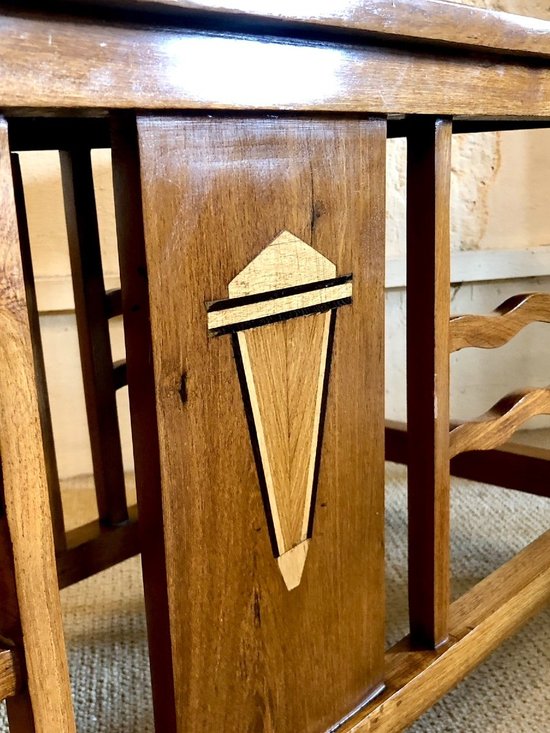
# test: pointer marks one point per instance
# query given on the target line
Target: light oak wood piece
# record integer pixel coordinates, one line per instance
(25, 484)
(506, 321)
(428, 307)
(499, 423)
(282, 306)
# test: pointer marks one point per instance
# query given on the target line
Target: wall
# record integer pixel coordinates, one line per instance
(500, 228)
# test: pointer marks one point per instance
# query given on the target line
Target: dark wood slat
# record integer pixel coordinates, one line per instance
(93, 334)
(58, 133)
(56, 507)
(428, 305)
(113, 299)
(519, 467)
(94, 547)
(120, 374)
(135, 301)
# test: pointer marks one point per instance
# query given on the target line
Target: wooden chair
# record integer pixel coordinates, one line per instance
(243, 143)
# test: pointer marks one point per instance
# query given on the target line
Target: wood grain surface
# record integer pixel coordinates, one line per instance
(506, 321)
(215, 193)
(8, 673)
(426, 21)
(52, 474)
(428, 308)
(25, 484)
(141, 389)
(68, 64)
(499, 423)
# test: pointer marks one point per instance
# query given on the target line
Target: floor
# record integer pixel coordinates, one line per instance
(510, 693)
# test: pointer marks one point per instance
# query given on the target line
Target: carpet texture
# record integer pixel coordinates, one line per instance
(509, 693)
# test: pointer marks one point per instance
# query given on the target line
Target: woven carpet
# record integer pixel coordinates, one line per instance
(509, 693)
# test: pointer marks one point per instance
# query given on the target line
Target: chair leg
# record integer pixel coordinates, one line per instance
(428, 306)
(25, 482)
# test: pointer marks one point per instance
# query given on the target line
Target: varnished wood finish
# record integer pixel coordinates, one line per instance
(193, 70)
(93, 547)
(519, 467)
(479, 621)
(56, 507)
(25, 483)
(141, 387)
(498, 425)
(496, 329)
(428, 305)
(211, 201)
(421, 21)
(93, 335)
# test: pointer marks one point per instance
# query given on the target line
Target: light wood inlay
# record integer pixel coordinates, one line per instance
(327, 296)
(285, 366)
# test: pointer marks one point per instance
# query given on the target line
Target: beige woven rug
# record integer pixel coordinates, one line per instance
(510, 693)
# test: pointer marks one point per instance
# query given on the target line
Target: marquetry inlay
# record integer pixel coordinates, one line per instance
(281, 311)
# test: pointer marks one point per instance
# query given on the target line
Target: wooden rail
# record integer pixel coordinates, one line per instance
(93, 547)
(499, 423)
(478, 622)
(519, 467)
(496, 329)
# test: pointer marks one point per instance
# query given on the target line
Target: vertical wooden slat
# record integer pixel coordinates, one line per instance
(139, 365)
(25, 482)
(428, 306)
(56, 506)
(93, 333)
(249, 654)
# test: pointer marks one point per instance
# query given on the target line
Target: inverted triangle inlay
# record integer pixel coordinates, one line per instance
(283, 327)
